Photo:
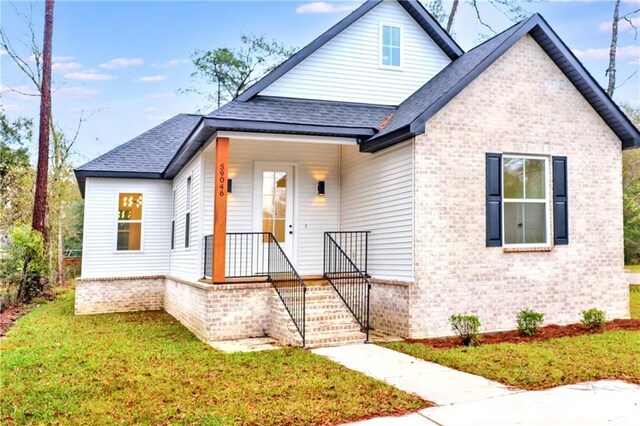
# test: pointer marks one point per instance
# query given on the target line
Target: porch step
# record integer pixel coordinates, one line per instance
(328, 321)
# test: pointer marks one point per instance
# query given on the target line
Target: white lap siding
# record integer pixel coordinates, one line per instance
(377, 196)
(99, 256)
(313, 215)
(347, 67)
(186, 262)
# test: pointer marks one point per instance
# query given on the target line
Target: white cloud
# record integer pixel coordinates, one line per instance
(162, 95)
(325, 7)
(629, 51)
(623, 26)
(171, 63)
(62, 58)
(3, 52)
(88, 76)
(65, 66)
(121, 63)
(75, 92)
(151, 78)
(636, 62)
(159, 117)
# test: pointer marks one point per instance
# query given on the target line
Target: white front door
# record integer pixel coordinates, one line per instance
(274, 205)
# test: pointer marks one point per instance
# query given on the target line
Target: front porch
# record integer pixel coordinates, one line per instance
(270, 206)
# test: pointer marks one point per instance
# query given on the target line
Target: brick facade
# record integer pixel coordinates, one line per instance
(521, 104)
(100, 295)
(389, 306)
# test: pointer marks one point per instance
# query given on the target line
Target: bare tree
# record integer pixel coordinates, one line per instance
(512, 9)
(42, 171)
(452, 14)
(611, 69)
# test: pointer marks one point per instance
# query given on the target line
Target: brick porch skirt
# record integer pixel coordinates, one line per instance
(211, 312)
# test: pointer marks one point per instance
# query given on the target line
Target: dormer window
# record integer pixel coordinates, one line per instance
(390, 46)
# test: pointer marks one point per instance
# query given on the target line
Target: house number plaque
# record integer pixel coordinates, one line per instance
(221, 180)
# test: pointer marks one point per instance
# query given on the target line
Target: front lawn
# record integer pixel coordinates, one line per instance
(538, 365)
(146, 368)
(635, 301)
(633, 268)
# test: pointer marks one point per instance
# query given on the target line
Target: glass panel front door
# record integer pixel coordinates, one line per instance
(276, 204)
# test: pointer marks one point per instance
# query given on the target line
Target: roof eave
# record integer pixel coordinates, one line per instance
(392, 138)
(433, 28)
(82, 175)
(271, 126)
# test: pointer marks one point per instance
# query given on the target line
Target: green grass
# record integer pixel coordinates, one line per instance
(539, 365)
(633, 268)
(146, 368)
(634, 301)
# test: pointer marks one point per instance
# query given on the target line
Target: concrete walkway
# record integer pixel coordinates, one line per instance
(430, 381)
(466, 399)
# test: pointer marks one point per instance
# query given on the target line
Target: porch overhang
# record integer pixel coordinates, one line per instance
(210, 128)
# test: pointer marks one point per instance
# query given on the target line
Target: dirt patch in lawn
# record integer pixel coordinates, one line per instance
(545, 333)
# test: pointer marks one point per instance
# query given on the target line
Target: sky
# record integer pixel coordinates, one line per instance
(120, 64)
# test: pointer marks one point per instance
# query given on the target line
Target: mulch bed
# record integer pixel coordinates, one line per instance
(9, 316)
(545, 333)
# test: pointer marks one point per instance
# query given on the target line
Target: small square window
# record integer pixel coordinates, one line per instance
(390, 46)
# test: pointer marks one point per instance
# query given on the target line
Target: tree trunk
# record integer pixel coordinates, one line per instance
(452, 14)
(611, 71)
(40, 200)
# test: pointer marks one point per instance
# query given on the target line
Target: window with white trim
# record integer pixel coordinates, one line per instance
(129, 234)
(187, 220)
(525, 204)
(389, 46)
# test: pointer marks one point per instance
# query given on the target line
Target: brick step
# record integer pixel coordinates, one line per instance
(336, 316)
(334, 339)
(315, 329)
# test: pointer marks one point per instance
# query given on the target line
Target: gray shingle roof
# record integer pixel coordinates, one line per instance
(426, 96)
(304, 111)
(150, 152)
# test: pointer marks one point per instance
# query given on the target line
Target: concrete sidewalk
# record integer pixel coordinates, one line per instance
(465, 399)
(430, 381)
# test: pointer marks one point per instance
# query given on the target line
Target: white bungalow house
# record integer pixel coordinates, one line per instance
(379, 178)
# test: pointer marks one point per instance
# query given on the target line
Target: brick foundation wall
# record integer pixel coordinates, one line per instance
(187, 302)
(389, 306)
(220, 312)
(104, 295)
(521, 104)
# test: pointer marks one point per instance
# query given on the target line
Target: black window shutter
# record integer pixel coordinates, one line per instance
(187, 229)
(494, 200)
(560, 202)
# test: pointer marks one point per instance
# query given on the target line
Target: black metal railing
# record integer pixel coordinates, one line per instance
(355, 245)
(258, 254)
(349, 281)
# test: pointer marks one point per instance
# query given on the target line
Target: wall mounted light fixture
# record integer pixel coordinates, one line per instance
(229, 186)
(321, 188)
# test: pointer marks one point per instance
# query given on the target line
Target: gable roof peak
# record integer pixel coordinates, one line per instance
(415, 9)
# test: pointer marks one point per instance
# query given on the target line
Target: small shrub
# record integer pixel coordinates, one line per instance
(24, 261)
(593, 318)
(465, 326)
(529, 322)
